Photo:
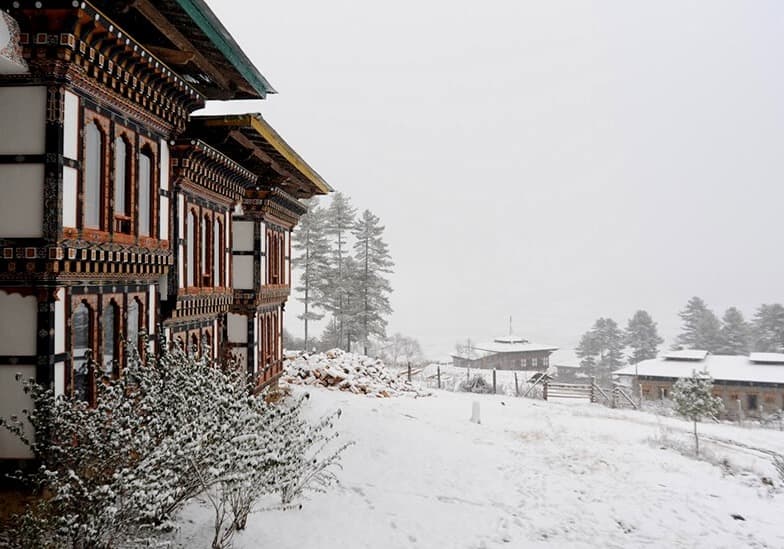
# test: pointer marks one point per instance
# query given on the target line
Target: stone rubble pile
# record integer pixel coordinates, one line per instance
(359, 374)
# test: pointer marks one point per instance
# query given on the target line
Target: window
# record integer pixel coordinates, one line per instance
(145, 194)
(752, 402)
(122, 199)
(217, 272)
(190, 244)
(193, 349)
(132, 328)
(205, 242)
(274, 258)
(92, 176)
(81, 352)
(109, 324)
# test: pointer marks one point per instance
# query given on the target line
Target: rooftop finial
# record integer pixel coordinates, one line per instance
(510, 324)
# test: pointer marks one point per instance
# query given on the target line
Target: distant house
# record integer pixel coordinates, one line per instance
(753, 383)
(506, 353)
(565, 367)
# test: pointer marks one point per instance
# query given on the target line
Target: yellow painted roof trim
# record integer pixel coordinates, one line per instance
(257, 123)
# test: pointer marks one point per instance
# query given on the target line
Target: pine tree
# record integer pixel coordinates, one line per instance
(601, 349)
(734, 334)
(694, 400)
(350, 329)
(372, 288)
(587, 350)
(340, 220)
(310, 241)
(700, 327)
(768, 328)
(642, 337)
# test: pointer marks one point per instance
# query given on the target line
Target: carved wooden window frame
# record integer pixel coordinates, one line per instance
(124, 222)
(103, 125)
(149, 147)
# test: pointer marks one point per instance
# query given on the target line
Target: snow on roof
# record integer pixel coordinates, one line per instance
(686, 354)
(510, 339)
(768, 358)
(720, 368)
(510, 347)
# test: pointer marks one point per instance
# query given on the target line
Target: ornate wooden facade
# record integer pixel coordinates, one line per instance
(119, 214)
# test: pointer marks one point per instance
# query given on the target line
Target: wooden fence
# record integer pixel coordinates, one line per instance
(568, 390)
(591, 392)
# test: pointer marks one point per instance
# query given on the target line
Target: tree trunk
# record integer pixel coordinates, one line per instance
(696, 440)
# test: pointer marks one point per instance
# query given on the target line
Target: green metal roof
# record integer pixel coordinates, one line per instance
(209, 24)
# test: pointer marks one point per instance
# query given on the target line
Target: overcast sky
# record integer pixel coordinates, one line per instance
(555, 161)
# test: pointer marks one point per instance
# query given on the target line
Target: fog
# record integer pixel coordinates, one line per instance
(551, 161)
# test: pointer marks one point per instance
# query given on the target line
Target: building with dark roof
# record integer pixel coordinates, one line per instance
(122, 213)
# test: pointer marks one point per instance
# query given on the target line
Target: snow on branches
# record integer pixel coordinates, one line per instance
(171, 428)
(693, 399)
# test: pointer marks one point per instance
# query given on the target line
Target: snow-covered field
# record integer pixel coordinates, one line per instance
(532, 474)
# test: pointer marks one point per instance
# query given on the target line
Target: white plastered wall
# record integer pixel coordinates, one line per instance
(243, 236)
(286, 271)
(12, 401)
(69, 196)
(180, 247)
(59, 321)
(18, 324)
(243, 272)
(71, 126)
(23, 112)
(163, 232)
(59, 378)
(151, 308)
(237, 328)
(22, 210)
(255, 346)
(263, 252)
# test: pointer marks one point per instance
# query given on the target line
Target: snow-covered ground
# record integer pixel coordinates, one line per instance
(532, 474)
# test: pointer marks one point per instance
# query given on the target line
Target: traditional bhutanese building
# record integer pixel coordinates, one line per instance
(120, 213)
(750, 385)
(506, 353)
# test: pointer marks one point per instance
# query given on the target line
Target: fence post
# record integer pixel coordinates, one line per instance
(593, 390)
(517, 387)
(494, 391)
(614, 401)
(544, 390)
(409, 371)
(438, 372)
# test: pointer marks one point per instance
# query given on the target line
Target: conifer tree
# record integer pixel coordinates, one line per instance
(372, 288)
(312, 259)
(700, 327)
(340, 220)
(734, 334)
(601, 349)
(642, 337)
(768, 328)
(694, 400)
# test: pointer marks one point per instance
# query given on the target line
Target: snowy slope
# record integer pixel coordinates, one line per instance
(533, 474)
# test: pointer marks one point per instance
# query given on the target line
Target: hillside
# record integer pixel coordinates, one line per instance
(532, 474)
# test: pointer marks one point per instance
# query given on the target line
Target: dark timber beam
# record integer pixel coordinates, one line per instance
(148, 10)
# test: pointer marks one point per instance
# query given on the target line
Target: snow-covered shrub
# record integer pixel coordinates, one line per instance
(693, 399)
(778, 463)
(476, 384)
(169, 429)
